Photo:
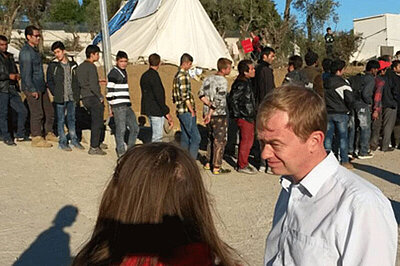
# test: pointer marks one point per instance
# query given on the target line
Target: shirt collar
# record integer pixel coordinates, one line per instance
(314, 180)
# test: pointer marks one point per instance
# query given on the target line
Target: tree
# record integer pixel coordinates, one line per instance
(317, 12)
(8, 13)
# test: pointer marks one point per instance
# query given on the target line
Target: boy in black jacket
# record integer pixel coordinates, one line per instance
(63, 84)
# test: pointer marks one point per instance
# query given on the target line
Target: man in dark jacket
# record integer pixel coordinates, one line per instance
(264, 79)
(34, 87)
(242, 108)
(63, 84)
(294, 75)
(396, 131)
(338, 99)
(153, 99)
(92, 98)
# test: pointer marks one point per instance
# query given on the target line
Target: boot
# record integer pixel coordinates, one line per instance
(40, 142)
(51, 137)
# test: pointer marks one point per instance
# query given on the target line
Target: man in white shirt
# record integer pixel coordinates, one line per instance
(325, 214)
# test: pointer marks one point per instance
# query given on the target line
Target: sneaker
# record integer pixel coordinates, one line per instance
(247, 170)
(221, 171)
(78, 146)
(207, 166)
(22, 139)
(388, 149)
(9, 142)
(103, 146)
(262, 169)
(40, 142)
(51, 137)
(347, 165)
(369, 155)
(373, 148)
(96, 151)
(64, 147)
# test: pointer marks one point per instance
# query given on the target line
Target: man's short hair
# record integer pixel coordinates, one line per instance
(186, 58)
(326, 64)
(395, 63)
(397, 53)
(3, 38)
(386, 58)
(266, 51)
(121, 54)
(296, 61)
(91, 49)
(154, 60)
(29, 30)
(243, 66)
(223, 63)
(337, 65)
(372, 64)
(57, 45)
(305, 108)
(328, 29)
(311, 58)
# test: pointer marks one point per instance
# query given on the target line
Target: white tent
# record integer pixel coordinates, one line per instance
(380, 35)
(170, 28)
(11, 49)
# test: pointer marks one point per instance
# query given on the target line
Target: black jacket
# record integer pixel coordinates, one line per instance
(153, 94)
(391, 90)
(88, 79)
(338, 95)
(263, 82)
(4, 74)
(241, 102)
(55, 81)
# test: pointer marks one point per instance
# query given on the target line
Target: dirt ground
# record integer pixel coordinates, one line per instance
(49, 198)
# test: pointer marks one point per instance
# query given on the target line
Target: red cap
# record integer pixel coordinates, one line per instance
(383, 64)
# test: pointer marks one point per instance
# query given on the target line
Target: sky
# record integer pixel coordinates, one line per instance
(351, 9)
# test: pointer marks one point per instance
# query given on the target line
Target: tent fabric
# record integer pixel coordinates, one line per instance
(177, 27)
(145, 8)
(118, 20)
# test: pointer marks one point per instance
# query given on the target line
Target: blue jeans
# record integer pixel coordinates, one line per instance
(70, 108)
(190, 138)
(351, 132)
(364, 118)
(338, 122)
(4, 101)
(157, 127)
(124, 117)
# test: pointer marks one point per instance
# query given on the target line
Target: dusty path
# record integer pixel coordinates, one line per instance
(37, 183)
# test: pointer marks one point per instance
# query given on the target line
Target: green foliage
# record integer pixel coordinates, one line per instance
(67, 11)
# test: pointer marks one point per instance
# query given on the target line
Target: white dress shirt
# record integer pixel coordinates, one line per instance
(332, 217)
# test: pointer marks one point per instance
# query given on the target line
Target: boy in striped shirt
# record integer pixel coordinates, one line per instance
(120, 104)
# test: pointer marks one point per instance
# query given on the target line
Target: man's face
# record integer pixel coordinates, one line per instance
(187, 65)
(329, 31)
(3, 46)
(269, 58)
(395, 69)
(95, 56)
(286, 153)
(374, 71)
(290, 68)
(34, 38)
(251, 73)
(59, 54)
(122, 63)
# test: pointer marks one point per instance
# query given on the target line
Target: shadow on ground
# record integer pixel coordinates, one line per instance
(51, 247)
(386, 175)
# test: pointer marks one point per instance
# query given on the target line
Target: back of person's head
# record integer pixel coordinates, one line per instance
(296, 61)
(266, 51)
(121, 54)
(311, 58)
(397, 53)
(57, 45)
(326, 65)
(3, 38)
(223, 63)
(395, 63)
(186, 58)
(372, 64)
(154, 60)
(150, 182)
(386, 58)
(29, 30)
(337, 65)
(91, 49)
(305, 108)
(243, 67)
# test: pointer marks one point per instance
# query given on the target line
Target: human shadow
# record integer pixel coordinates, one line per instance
(51, 247)
(386, 175)
(396, 210)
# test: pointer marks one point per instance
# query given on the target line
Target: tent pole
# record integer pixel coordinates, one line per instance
(106, 37)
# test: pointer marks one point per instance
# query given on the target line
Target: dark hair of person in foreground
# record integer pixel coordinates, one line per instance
(155, 211)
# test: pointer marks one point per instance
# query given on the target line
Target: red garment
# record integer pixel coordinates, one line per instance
(256, 44)
(195, 254)
(246, 141)
(379, 83)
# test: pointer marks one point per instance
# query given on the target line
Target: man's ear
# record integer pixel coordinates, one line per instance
(315, 140)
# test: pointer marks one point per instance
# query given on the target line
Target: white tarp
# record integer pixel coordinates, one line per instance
(177, 27)
(145, 8)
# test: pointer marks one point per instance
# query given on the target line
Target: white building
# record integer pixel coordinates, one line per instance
(380, 35)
